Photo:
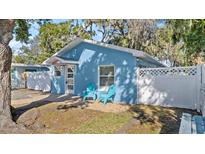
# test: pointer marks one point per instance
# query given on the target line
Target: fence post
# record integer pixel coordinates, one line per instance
(202, 90)
(198, 84)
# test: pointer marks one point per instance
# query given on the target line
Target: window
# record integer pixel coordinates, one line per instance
(106, 75)
(57, 71)
(30, 70)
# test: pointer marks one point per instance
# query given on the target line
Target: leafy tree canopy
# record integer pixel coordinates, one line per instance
(53, 37)
(180, 42)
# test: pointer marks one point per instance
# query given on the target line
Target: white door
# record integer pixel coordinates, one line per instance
(69, 79)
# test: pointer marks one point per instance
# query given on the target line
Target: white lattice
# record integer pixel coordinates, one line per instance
(172, 71)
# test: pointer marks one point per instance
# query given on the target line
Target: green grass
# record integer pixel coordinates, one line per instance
(105, 124)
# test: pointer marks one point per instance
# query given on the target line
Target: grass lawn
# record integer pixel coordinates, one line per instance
(106, 123)
(149, 119)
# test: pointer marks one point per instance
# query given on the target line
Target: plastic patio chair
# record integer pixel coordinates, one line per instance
(105, 97)
(90, 92)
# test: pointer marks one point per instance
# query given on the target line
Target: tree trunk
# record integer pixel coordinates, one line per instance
(5, 80)
(6, 123)
(6, 29)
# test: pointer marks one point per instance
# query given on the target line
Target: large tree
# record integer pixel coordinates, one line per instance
(141, 33)
(180, 42)
(132, 33)
(192, 33)
(112, 31)
(8, 28)
(165, 48)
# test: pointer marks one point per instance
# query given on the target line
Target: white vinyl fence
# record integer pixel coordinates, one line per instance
(39, 81)
(170, 87)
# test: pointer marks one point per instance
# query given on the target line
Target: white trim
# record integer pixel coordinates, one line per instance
(134, 52)
(62, 61)
(106, 76)
(27, 65)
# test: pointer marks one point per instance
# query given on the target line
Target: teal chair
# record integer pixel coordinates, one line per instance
(90, 92)
(105, 97)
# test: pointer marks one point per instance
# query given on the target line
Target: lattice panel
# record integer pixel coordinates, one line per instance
(175, 71)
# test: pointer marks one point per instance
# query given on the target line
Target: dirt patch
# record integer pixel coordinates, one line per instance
(29, 118)
(110, 107)
(57, 121)
(127, 126)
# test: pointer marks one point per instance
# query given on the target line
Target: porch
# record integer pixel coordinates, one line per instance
(63, 72)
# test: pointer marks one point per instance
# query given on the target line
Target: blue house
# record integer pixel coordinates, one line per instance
(84, 61)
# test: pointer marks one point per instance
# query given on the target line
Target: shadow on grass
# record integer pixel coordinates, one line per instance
(50, 99)
(166, 120)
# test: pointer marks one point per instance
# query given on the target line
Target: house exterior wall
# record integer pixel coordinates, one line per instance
(57, 82)
(89, 58)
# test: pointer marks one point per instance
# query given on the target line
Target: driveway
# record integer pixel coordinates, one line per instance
(21, 97)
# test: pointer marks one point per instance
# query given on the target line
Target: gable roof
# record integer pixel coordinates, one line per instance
(136, 53)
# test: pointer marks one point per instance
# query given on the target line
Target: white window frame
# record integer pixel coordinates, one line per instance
(99, 87)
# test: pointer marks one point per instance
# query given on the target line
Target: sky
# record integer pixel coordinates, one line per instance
(34, 30)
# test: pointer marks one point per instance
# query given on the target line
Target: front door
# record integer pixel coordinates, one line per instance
(69, 79)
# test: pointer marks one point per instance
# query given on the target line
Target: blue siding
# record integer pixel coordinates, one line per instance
(90, 57)
(57, 83)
